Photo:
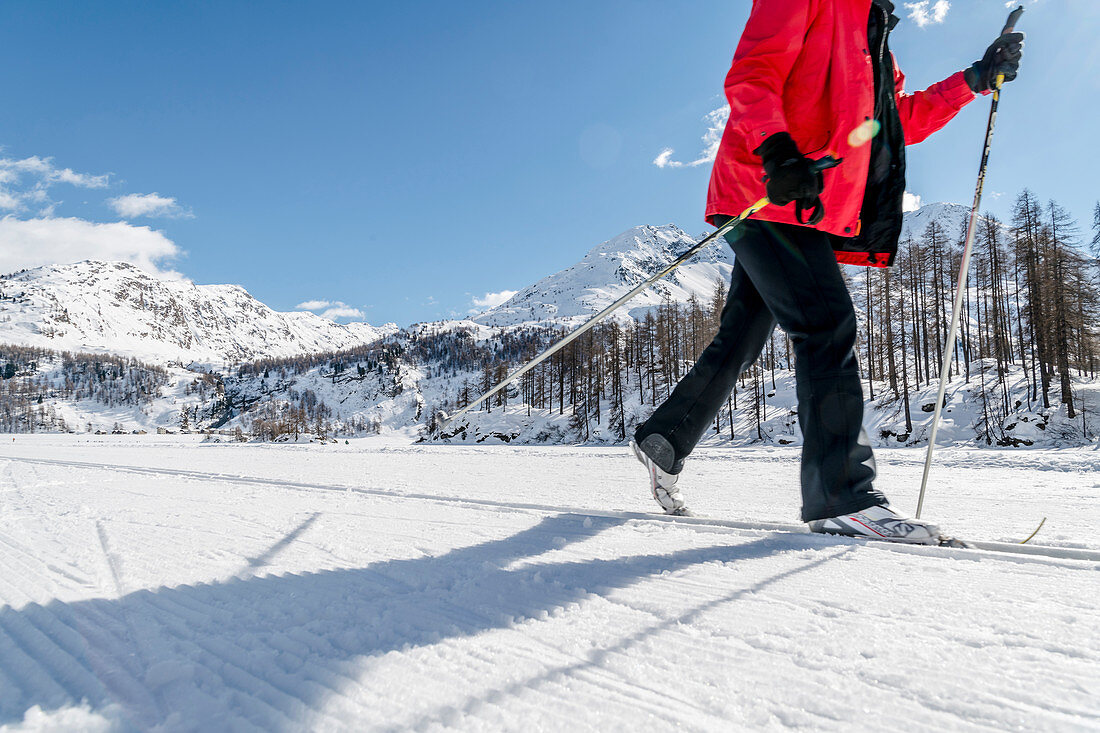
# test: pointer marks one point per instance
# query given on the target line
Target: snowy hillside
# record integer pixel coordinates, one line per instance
(952, 217)
(175, 586)
(616, 266)
(43, 391)
(613, 268)
(116, 308)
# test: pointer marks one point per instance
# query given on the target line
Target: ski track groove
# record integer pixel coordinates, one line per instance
(133, 635)
(944, 717)
(108, 654)
(34, 566)
(10, 691)
(17, 596)
(29, 675)
(626, 691)
(18, 567)
(194, 621)
(1030, 710)
(73, 679)
(225, 671)
(189, 625)
(621, 692)
(568, 667)
(110, 631)
(557, 707)
(589, 665)
(53, 630)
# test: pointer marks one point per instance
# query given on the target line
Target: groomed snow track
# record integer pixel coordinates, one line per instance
(168, 597)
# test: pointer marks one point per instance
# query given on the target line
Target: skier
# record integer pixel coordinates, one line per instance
(811, 77)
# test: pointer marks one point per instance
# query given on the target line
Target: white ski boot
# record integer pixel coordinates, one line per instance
(662, 484)
(880, 523)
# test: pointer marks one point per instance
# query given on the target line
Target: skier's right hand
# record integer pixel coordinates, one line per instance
(1002, 58)
(791, 176)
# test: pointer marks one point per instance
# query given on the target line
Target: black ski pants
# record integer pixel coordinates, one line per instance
(786, 274)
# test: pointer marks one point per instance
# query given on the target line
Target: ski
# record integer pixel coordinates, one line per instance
(963, 547)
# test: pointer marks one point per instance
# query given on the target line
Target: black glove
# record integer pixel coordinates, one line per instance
(791, 176)
(1002, 57)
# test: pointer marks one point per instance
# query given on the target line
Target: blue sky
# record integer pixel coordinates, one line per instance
(401, 160)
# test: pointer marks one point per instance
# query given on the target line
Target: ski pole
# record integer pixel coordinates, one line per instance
(964, 268)
(820, 165)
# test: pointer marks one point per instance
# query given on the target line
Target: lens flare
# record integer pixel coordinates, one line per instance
(864, 133)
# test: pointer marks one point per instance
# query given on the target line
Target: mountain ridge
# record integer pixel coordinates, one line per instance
(118, 308)
(615, 266)
(611, 269)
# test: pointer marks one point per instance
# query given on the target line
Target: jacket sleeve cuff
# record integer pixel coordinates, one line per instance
(956, 91)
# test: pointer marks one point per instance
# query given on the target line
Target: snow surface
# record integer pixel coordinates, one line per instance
(160, 582)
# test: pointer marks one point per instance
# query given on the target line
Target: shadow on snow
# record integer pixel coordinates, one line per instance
(266, 651)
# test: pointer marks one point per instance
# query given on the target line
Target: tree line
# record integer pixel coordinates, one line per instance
(31, 379)
(1030, 326)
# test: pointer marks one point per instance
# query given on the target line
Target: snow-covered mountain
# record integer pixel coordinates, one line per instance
(114, 307)
(952, 217)
(610, 270)
(616, 266)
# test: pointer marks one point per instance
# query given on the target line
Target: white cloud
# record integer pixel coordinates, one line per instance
(926, 12)
(83, 180)
(716, 125)
(313, 305)
(25, 183)
(44, 169)
(45, 239)
(342, 311)
(330, 309)
(133, 205)
(910, 202)
(49, 240)
(664, 159)
(490, 300)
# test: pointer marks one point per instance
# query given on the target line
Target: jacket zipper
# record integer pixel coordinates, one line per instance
(881, 56)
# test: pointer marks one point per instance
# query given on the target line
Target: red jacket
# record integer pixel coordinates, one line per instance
(803, 67)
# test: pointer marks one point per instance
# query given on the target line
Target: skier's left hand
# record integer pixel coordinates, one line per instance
(1002, 57)
(791, 176)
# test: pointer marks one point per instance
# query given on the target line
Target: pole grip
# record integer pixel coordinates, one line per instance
(1013, 19)
(1010, 26)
